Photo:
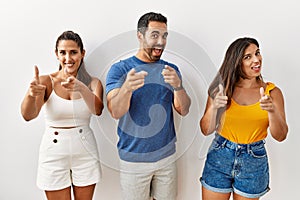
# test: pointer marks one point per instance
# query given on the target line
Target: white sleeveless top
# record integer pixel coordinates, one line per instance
(60, 112)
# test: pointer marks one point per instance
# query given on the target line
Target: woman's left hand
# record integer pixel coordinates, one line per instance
(72, 84)
(266, 101)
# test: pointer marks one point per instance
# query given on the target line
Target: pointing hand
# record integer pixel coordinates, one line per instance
(36, 89)
(135, 80)
(220, 99)
(170, 76)
(265, 101)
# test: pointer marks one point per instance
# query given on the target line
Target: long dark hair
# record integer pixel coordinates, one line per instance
(82, 74)
(231, 71)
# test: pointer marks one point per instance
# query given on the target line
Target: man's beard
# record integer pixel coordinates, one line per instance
(150, 52)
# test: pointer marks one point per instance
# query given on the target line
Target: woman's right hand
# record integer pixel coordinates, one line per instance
(220, 99)
(35, 88)
(34, 99)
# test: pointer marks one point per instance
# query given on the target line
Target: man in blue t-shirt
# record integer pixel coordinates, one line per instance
(141, 92)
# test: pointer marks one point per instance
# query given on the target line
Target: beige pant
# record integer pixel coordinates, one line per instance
(160, 184)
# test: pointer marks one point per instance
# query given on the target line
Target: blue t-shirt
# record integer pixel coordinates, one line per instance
(146, 132)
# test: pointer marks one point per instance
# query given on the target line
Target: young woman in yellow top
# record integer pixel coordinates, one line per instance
(240, 108)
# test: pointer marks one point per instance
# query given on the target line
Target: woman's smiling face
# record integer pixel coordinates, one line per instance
(252, 61)
(69, 55)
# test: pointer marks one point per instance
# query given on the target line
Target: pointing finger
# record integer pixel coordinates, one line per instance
(168, 67)
(262, 91)
(167, 70)
(263, 95)
(132, 71)
(36, 75)
(221, 89)
(70, 79)
(143, 73)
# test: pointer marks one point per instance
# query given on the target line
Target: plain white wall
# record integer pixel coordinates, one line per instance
(28, 33)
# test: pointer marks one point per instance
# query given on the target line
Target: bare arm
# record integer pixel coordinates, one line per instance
(274, 104)
(34, 98)
(182, 101)
(208, 121)
(118, 102)
(93, 98)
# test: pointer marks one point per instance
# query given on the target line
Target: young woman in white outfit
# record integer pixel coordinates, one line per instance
(68, 156)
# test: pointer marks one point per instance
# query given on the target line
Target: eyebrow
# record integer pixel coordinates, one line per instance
(155, 32)
(250, 53)
(71, 50)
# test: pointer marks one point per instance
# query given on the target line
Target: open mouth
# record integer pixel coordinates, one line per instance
(256, 68)
(157, 51)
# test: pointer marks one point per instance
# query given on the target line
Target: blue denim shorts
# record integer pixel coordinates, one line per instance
(239, 168)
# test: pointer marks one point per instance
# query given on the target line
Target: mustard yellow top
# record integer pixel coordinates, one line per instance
(245, 124)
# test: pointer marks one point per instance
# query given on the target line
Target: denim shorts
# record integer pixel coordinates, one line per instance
(239, 168)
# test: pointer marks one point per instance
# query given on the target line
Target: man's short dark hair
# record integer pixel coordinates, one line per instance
(146, 18)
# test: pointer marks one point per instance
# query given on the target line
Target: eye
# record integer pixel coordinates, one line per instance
(246, 57)
(61, 52)
(165, 36)
(257, 53)
(154, 36)
(74, 52)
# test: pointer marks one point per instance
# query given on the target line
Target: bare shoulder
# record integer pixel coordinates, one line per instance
(45, 80)
(276, 93)
(95, 81)
(276, 90)
(96, 84)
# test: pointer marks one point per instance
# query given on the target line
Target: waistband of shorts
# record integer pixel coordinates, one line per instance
(232, 145)
(79, 129)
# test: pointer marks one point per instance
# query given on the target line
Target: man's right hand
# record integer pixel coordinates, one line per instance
(135, 80)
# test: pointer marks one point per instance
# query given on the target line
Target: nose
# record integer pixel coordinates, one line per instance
(255, 59)
(161, 41)
(68, 57)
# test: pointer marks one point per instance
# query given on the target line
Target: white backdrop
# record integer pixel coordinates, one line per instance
(28, 33)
